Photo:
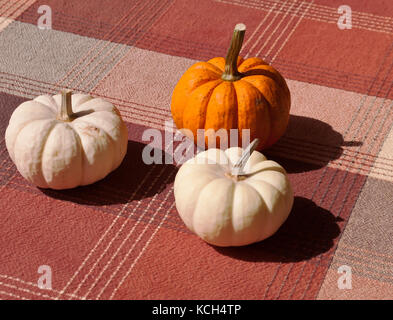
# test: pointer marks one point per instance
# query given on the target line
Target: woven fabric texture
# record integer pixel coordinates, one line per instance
(122, 238)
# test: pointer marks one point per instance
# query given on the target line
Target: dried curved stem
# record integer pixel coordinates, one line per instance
(238, 168)
(231, 73)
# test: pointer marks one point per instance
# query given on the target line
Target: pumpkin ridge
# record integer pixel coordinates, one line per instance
(197, 201)
(82, 152)
(52, 108)
(246, 80)
(262, 201)
(54, 102)
(205, 102)
(216, 62)
(46, 106)
(218, 175)
(201, 192)
(258, 62)
(104, 131)
(205, 156)
(39, 104)
(276, 169)
(283, 175)
(250, 83)
(283, 88)
(257, 193)
(85, 100)
(239, 135)
(268, 106)
(269, 72)
(55, 123)
(83, 119)
(77, 134)
(202, 83)
(219, 71)
(203, 79)
(83, 155)
(204, 65)
(226, 108)
(231, 209)
(272, 75)
(20, 130)
(188, 83)
(263, 181)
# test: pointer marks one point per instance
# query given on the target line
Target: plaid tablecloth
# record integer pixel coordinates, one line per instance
(122, 238)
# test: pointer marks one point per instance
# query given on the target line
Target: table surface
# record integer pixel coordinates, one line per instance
(122, 238)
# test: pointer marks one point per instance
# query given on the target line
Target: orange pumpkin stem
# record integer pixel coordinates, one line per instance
(231, 73)
(65, 112)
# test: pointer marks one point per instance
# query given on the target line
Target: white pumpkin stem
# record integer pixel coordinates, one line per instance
(65, 112)
(231, 73)
(238, 168)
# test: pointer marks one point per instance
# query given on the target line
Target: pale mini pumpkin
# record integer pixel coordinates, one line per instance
(66, 141)
(232, 93)
(228, 199)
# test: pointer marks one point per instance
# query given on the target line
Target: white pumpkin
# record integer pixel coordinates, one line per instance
(65, 141)
(230, 200)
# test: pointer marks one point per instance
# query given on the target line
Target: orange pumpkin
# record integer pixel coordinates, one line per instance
(232, 93)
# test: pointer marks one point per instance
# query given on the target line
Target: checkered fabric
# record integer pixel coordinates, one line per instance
(122, 238)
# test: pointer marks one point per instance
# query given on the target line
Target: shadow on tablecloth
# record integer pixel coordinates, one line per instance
(126, 182)
(312, 142)
(309, 231)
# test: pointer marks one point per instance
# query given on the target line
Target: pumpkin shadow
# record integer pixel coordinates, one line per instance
(310, 144)
(126, 182)
(309, 231)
